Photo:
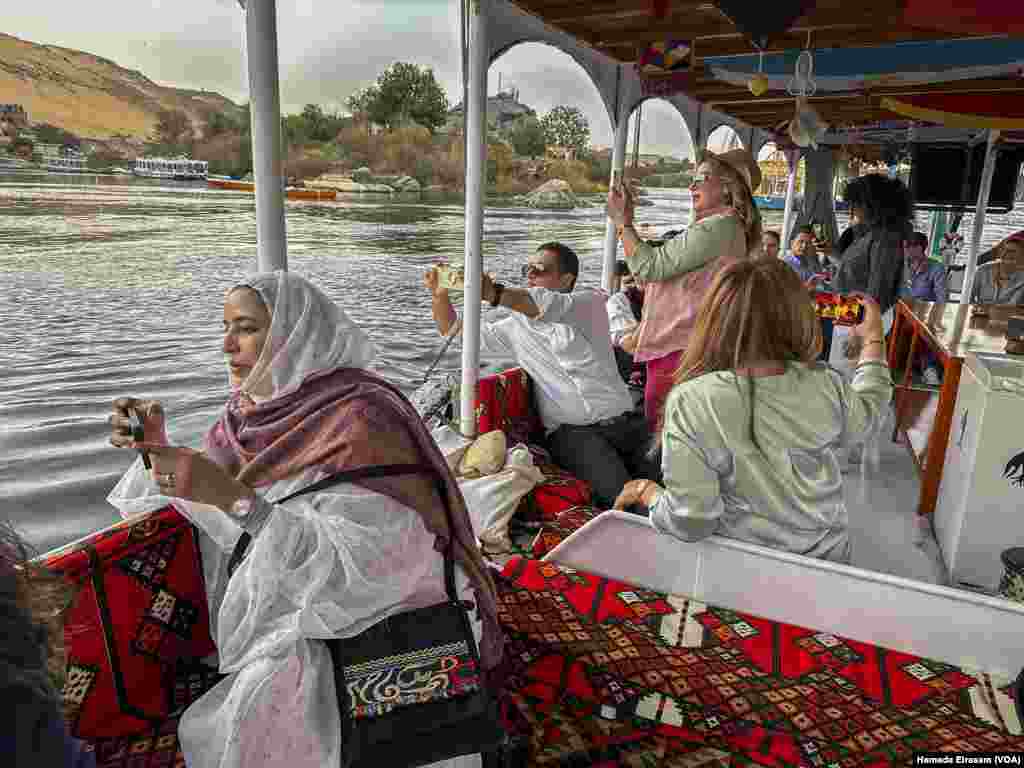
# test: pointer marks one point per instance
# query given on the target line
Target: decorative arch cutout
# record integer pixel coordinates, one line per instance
(577, 57)
(659, 110)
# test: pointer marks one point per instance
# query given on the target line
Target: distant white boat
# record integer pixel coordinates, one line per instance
(178, 168)
(65, 164)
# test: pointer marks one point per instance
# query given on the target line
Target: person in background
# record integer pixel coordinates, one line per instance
(625, 308)
(770, 244)
(881, 212)
(753, 424)
(726, 227)
(32, 604)
(1001, 281)
(622, 317)
(810, 263)
(924, 279)
(561, 338)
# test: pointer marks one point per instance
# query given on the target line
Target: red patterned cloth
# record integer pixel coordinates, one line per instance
(141, 609)
(559, 492)
(504, 401)
(599, 672)
(158, 747)
(560, 527)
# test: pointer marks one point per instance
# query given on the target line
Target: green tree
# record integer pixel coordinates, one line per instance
(567, 127)
(527, 137)
(218, 124)
(295, 131)
(403, 92)
(22, 147)
(51, 134)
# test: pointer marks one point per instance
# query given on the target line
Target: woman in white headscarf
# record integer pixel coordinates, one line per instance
(324, 565)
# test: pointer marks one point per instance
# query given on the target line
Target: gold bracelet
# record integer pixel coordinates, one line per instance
(874, 341)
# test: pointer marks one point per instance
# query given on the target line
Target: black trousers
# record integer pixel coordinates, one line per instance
(607, 454)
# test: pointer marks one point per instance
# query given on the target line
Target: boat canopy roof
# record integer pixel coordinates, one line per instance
(876, 62)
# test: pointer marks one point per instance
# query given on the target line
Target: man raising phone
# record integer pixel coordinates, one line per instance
(561, 338)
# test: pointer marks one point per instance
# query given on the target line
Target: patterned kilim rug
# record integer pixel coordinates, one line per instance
(159, 747)
(601, 673)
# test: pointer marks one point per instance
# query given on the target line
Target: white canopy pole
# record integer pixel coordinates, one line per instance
(979, 216)
(793, 161)
(476, 165)
(267, 162)
(611, 238)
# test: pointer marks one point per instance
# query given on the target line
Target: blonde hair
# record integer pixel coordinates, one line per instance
(740, 199)
(756, 311)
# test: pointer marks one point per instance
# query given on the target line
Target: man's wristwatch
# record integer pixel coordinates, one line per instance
(496, 296)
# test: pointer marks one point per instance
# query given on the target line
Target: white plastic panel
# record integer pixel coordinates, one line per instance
(954, 626)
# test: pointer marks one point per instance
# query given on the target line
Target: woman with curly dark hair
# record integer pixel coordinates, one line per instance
(32, 606)
(871, 250)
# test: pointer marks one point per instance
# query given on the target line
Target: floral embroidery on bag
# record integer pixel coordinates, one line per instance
(382, 685)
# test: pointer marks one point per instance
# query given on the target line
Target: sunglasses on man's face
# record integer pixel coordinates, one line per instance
(534, 270)
(700, 178)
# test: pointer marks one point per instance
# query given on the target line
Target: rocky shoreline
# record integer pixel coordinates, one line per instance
(554, 194)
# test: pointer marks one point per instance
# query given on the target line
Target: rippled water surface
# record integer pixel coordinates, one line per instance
(114, 287)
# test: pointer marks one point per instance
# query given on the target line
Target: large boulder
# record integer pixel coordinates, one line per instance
(555, 193)
(363, 175)
(405, 184)
(345, 184)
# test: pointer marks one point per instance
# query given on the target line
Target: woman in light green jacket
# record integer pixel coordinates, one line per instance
(754, 423)
(726, 227)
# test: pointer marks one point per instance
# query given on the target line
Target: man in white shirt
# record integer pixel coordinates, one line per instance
(562, 340)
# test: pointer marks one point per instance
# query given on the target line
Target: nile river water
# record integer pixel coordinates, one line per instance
(113, 287)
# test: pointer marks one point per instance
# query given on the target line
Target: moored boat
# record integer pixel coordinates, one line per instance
(65, 164)
(178, 169)
(292, 193)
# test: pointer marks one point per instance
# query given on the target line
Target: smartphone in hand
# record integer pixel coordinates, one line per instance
(840, 309)
(139, 435)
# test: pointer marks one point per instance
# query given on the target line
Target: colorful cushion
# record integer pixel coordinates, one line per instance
(141, 610)
(559, 491)
(504, 401)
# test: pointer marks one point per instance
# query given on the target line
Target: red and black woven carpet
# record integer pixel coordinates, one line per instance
(601, 673)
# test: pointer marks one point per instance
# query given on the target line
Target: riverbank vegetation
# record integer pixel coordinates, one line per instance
(401, 125)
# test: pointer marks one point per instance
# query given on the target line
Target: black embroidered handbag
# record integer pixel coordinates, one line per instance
(410, 688)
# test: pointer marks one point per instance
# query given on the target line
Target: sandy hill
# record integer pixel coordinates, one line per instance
(90, 96)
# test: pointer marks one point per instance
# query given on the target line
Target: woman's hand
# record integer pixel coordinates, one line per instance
(629, 341)
(620, 206)
(642, 492)
(150, 412)
(871, 326)
(187, 474)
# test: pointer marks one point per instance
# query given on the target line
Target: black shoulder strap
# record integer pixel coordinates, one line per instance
(363, 473)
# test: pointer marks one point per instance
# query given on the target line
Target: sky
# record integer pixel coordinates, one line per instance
(327, 50)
